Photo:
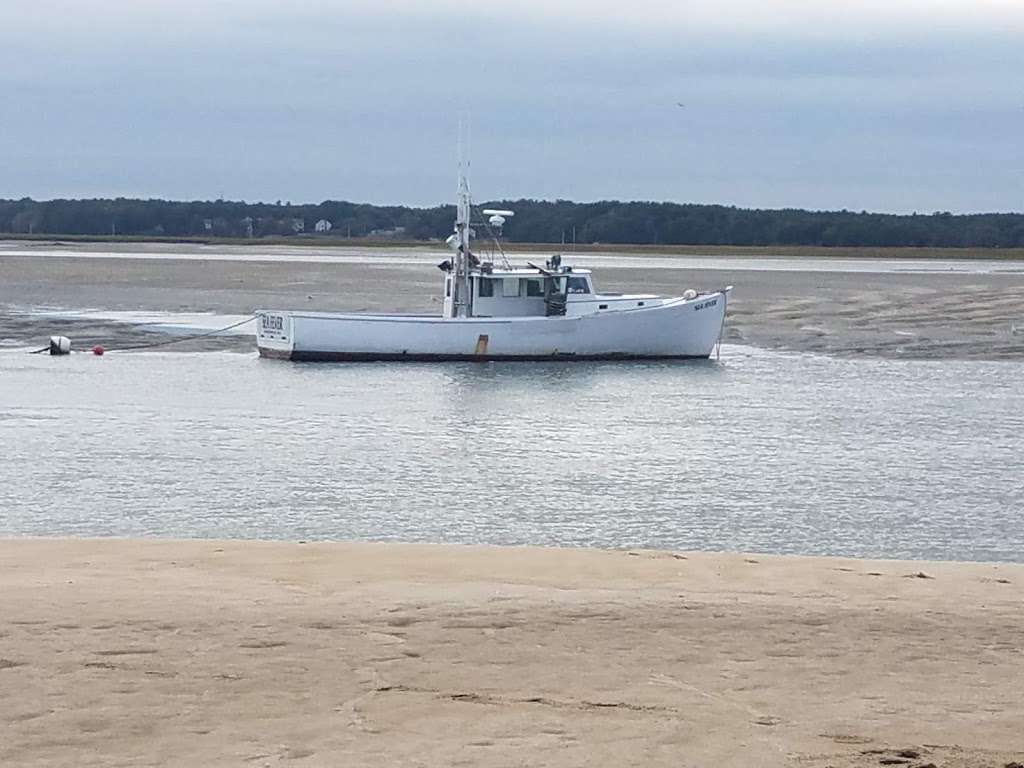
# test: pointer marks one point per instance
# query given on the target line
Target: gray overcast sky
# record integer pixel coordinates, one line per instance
(790, 103)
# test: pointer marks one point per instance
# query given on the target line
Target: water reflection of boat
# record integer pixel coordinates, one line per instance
(494, 311)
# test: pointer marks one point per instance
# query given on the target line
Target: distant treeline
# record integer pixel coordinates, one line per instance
(535, 221)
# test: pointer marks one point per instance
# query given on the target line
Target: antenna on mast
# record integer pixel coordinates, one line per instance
(458, 148)
(464, 144)
(461, 296)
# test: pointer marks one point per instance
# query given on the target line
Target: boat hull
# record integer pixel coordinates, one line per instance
(428, 357)
(676, 329)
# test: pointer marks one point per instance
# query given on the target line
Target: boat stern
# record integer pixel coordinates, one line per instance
(274, 336)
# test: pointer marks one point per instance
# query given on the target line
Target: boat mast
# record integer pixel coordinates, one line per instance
(461, 294)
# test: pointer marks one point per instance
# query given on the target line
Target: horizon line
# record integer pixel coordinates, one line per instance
(549, 201)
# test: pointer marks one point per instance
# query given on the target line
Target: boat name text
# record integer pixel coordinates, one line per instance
(272, 322)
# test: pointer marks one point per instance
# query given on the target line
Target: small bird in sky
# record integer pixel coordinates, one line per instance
(680, 104)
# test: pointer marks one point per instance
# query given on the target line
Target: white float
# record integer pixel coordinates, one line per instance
(60, 345)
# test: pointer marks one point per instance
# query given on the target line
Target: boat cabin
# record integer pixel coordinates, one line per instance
(529, 291)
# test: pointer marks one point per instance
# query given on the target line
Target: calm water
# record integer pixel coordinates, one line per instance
(761, 452)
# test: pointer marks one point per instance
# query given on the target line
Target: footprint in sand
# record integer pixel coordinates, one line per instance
(100, 665)
(847, 738)
(26, 716)
(93, 725)
(259, 644)
(319, 625)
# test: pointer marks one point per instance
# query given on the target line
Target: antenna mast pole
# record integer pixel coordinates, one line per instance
(461, 298)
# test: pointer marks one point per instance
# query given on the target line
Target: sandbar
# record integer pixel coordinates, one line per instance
(241, 653)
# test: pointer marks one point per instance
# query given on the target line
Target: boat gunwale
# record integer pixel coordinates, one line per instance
(668, 303)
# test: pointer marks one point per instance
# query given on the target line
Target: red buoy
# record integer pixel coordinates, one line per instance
(97, 350)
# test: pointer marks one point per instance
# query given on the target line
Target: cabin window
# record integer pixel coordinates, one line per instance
(534, 288)
(510, 287)
(578, 285)
(485, 288)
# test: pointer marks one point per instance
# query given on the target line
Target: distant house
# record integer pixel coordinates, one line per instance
(298, 225)
(208, 225)
(323, 226)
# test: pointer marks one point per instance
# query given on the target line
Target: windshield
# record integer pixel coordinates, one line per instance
(578, 285)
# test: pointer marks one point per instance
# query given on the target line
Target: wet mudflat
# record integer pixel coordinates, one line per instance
(918, 309)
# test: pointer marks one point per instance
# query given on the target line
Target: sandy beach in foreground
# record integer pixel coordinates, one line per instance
(196, 653)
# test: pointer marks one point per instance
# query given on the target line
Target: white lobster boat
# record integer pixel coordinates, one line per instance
(494, 312)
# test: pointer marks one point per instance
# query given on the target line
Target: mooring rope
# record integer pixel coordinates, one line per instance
(166, 342)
